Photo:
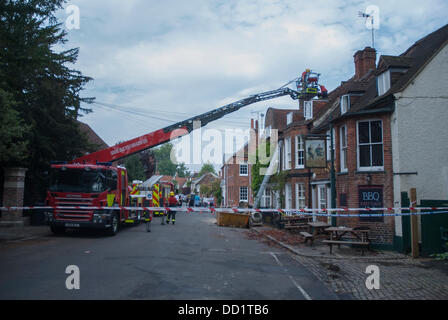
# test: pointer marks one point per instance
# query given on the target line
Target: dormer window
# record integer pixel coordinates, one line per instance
(383, 82)
(345, 103)
(308, 110)
(289, 118)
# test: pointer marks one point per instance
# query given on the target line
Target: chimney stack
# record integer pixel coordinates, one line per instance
(252, 123)
(365, 60)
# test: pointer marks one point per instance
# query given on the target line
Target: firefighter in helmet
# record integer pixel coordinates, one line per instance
(172, 202)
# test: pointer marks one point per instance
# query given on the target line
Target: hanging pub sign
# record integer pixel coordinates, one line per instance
(370, 197)
(315, 153)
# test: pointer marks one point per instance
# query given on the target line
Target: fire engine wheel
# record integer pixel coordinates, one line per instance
(113, 229)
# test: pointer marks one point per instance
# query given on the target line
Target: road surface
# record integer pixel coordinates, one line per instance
(193, 260)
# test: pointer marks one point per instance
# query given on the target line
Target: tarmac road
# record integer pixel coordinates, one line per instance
(192, 260)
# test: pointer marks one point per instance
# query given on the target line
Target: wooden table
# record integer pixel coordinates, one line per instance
(360, 236)
(295, 222)
(318, 227)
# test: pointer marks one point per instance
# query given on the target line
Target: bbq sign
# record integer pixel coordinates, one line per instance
(370, 197)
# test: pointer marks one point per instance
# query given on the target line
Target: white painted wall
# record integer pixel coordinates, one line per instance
(420, 134)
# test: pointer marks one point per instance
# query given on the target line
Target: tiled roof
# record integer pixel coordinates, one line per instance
(414, 59)
(92, 137)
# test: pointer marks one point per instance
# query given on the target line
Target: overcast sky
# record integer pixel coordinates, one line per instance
(175, 59)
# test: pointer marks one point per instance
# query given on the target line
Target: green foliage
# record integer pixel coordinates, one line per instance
(276, 181)
(441, 256)
(164, 164)
(13, 146)
(41, 89)
(257, 178)
(135, 168)
(213, 189)
(217, 191)
(182, 171)
(208, 167)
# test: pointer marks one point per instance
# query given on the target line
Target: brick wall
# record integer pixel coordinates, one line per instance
(231, 173)
(348, 183)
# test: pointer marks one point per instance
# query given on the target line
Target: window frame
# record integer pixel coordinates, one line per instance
(300, 198)
(308, 110)
(247, 194)
(343, 150)
(297, 150)
(383, 82)
(242, 165)
(345, 107)
(328, 142)
(358, 153)
(288, 196)
(289, 117)
(287, 154)
(267, 195)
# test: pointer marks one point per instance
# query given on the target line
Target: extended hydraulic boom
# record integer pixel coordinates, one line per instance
(182, 128)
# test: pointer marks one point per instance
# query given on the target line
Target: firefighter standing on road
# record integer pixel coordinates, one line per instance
(172, 202)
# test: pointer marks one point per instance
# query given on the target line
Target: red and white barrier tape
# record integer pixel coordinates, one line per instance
(335, 212)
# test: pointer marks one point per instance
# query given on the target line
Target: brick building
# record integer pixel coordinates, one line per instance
(206, 179)
(236, 175)
(380, 147)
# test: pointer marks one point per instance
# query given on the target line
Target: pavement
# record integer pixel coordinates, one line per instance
(23, 232)
(344, 271)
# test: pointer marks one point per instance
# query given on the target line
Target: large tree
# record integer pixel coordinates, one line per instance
(207, 167)
(40, 88)
(164, 164)
(135, 168)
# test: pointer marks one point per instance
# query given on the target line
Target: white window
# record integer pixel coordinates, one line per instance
(289, 118)
(322, 196)
(300, 152)
(288, 196)
(267, 131)
(244, 169)
(329, 144)
(308, 110)
(370, 145)
(343, 134)
(345, 103)
(383, 82)
(244, 194)
(267, 198)
(283, 163)
(300, 196)
(288, 153)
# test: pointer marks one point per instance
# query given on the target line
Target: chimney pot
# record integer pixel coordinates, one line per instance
(364, 61)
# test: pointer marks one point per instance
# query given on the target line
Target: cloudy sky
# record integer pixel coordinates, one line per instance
(158, 62)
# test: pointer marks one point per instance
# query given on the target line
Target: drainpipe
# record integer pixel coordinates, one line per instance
(332, 173)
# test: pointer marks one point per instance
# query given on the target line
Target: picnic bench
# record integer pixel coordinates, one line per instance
(317, 227)
(295, 222)
(307, 236)
(360, 237)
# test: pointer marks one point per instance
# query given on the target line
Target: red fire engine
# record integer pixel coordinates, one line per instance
(92, 180)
